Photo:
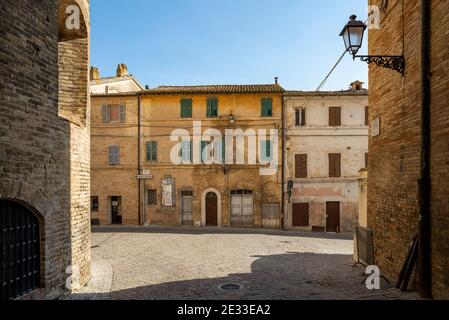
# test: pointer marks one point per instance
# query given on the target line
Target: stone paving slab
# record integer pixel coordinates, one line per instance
(155, 263)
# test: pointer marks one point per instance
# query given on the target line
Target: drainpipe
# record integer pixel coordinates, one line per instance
(139, 166)
(425, 184)
(283, 218)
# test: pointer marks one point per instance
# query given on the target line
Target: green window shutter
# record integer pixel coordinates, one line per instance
(265, 151)
(212, 108)
(223, 150)
(203, 146)
(267, 107)
(186, 151)
(186, 108)
(122, 113)
(105, 112)
(152, 151)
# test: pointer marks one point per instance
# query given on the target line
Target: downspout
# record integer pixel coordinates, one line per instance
(139, 166)
(283, 218)
(425, 184)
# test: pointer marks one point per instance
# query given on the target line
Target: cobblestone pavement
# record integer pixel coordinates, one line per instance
(167, 263)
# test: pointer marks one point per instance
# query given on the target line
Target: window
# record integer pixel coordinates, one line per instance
(152, 197)
(366, 160)
(94, 204)
(212, 108)
(335, 116)
(266, 150)
(186, 108)
(366, 116)
(213, 154)
(267, 107)
(114, 155)
(301, 166)
(114, 113)
(334, 165)
(152, 151)
(300, 117)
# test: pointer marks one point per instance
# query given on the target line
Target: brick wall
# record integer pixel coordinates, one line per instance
(394, 164)
(41, 154)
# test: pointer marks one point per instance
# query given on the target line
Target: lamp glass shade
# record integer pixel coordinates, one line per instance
(353, 35)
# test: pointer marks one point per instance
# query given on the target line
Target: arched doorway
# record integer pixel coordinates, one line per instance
(211, 209)
(20, 245)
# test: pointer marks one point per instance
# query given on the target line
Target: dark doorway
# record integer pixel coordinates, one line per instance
(333, 217)
(20, 250)
(300, 214)
(116, 210)
(211, 209)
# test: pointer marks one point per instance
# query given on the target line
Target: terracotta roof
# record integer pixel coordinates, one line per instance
(293, 93)
(116, 94)
(215, 89)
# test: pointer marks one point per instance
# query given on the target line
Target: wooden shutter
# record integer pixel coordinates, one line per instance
(301, 214)
(297, 117)
(267, 107)
(335, 116)
(105, 112)
(366, 116)
(303, 117)
(203, 146)
(212, 108)
(122, 113)
(301, 166)
(334, 165)
(152, 151)
(186, 108)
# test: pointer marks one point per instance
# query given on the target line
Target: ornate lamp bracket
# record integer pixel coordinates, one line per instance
(396, 63)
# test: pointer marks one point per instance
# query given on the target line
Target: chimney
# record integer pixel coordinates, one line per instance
(276, 80)
(357, 85)
(122, 70)
(94, 73)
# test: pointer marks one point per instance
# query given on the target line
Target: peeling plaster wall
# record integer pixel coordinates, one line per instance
(317, 140)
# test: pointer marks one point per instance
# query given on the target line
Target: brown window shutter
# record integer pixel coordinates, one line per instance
(297, 117)
(366, 116)
(334, 116)
(334, 165)
(301, 214)
(301, 166)
(303, 117)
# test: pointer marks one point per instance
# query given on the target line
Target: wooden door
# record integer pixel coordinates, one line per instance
(211, 209)
(333, 217)
(301, 214)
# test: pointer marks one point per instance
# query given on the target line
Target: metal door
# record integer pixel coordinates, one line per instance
(187, 208)
(20, 250)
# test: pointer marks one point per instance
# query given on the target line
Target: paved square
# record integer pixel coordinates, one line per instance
(186, 263)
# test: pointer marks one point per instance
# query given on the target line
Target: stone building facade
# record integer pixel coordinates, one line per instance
(151, 189)
(395, 149)
(326, 146)
(44, 146)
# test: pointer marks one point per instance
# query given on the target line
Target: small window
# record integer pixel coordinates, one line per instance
(300, 117)
(267, 107)
(186, 108)
(334, 165)
(152, 197)
(335, 116)
(114, 113)
(94, 205)
(301, 166)
(114, 155)
(152, 151)
(212, 108)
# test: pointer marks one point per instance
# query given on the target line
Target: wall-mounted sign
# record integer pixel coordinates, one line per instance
(168, 192)
(375, 127)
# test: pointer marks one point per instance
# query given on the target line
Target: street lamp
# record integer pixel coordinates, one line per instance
(352, 35)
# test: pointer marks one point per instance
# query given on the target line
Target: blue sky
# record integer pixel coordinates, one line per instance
(192, 42)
